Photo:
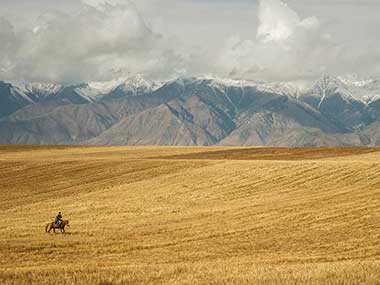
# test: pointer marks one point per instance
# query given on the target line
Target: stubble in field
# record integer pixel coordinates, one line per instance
(190, 215)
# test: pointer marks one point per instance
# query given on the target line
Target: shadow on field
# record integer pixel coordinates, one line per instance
(269, 153)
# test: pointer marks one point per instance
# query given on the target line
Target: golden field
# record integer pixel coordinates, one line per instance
(179, 215)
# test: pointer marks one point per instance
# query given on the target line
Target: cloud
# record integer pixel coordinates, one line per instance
(102, 4)
(105, 39)
(289, 47)
(285, 46)
(267, 39)
(277, 21)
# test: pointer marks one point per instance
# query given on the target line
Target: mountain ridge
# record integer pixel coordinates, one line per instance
(192, 111)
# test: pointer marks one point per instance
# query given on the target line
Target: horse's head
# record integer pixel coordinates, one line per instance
(67, 223)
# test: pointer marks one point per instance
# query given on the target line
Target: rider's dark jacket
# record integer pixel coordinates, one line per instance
(58, 218)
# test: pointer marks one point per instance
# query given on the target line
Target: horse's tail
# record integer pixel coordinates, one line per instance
(47, 226)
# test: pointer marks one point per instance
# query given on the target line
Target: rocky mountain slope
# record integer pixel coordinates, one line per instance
(192, 111)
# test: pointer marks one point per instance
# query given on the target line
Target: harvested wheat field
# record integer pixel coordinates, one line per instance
(172, 215)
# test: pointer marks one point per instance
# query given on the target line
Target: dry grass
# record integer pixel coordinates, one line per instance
(176, 216)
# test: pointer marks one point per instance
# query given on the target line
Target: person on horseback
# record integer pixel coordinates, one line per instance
(58, 219)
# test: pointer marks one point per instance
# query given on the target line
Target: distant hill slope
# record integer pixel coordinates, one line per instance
(192, 111)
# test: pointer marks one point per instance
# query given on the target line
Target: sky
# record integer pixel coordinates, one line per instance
(76, 41)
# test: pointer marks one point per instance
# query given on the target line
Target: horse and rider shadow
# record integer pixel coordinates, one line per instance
(59, 223)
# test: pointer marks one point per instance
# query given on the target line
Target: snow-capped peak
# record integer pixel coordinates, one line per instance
(104, 87)
(34, 91)
(355, 80)
(366, 89)
(96, 90)
(136, 85)
(329, 83)
(227, 82)
(283, 88)
(43, 89)
(328, 86)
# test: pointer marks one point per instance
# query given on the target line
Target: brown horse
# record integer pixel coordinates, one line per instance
(53, 226)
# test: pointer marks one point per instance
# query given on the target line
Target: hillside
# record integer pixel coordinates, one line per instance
(195, 111)
(186, 215)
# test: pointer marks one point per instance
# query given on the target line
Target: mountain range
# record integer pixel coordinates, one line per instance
(332, 111)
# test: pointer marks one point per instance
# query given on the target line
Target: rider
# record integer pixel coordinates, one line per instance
(58, 219)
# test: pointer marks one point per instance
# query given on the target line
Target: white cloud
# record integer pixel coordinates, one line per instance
(92, 40)
(285, 47)
(105, 39)
(9, 44)
(102, 4)
(277, 21)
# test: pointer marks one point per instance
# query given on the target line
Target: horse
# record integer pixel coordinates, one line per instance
(53, 226)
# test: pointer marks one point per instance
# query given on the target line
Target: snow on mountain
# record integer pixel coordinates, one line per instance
(43, 88)
(292, 88)
(194, 110)
(366, 89)
(135, 85)
(215, 81)
(328, 86)
(284, 88)
(373, 99)
(95, 91)
(353, 80)
(11, 99)
(349, 88)
(86, 92)
(16, 92)
(335, 100)
(37, 91)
